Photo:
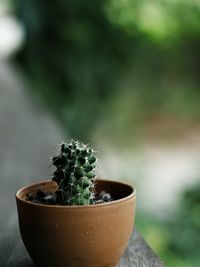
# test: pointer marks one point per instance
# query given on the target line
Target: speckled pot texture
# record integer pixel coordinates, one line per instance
(77, 236)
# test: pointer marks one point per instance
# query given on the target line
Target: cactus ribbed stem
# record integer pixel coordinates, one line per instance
(74, 174)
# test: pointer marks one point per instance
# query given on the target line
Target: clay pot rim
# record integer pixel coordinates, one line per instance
(114, 202)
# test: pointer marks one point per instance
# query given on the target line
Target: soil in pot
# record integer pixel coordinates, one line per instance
(50, 198)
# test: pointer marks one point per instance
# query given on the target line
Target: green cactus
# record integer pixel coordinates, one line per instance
(74, 174)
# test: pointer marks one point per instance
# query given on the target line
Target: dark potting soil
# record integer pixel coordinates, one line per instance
(49, 198)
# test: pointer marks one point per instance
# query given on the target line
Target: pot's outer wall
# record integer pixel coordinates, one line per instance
(94, 236)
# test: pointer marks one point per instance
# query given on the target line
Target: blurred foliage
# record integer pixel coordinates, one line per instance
(73, 54)
(116, 60)
(160, 19)
(176, 239)
(185, 228)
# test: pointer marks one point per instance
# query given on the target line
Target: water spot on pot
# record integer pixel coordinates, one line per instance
(91, 241)
(87, 233)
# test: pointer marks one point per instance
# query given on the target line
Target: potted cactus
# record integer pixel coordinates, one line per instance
(75, 219)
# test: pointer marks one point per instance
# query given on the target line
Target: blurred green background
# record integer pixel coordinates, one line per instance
(124, 75)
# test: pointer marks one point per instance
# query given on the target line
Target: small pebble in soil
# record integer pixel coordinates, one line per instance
(42, 197)
(102, 197)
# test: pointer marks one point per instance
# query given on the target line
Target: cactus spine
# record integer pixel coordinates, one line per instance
(74, 173)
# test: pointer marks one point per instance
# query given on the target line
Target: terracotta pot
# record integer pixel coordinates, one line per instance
(77, 236)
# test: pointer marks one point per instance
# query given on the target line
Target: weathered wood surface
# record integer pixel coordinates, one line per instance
(27, 138)
(139, 254)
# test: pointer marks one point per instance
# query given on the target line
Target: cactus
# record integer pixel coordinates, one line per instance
(74, 174)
